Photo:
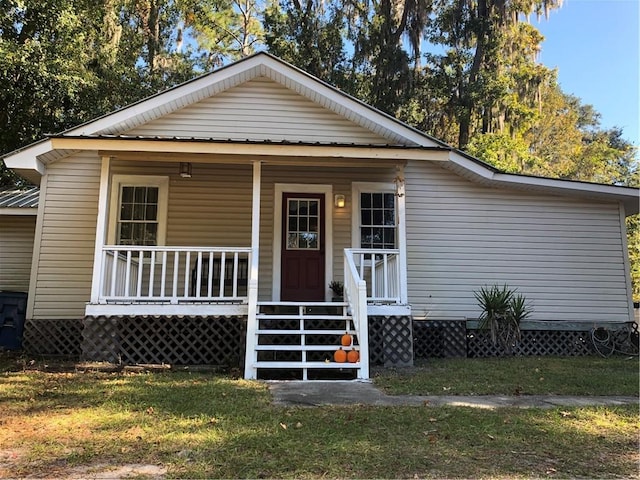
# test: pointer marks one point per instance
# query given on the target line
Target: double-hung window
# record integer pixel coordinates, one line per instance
(139, 210)
(376, 216)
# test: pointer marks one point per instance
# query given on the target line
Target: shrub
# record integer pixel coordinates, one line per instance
(503, 309)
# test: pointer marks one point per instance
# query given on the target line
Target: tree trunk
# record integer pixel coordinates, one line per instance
(153, 27)
(478, 60)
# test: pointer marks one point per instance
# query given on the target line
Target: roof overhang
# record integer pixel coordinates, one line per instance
(479, 172)
(27, 162)
(189, 147)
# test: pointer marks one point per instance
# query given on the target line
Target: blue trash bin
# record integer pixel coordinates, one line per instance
(13, 310)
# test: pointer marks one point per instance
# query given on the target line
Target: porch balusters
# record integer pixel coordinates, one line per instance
(381, 270)
(190, 274)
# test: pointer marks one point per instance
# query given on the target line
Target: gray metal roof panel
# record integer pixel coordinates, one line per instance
(249, 141)
(19, 197)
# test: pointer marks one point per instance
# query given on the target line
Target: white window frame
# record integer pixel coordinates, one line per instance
(119, 181)
(370, 187)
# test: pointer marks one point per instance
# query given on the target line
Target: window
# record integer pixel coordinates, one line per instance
(139, 216)
(377, 220)
(138, 219)
(302, 224)
(376, 224)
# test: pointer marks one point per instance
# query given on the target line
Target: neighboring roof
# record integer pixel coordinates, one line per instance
(31, 161)
(14, 201)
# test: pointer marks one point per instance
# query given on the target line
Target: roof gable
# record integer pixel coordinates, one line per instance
(260, 110)
(259, 65)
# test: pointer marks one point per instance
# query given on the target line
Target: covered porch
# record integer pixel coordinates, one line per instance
(180, 273)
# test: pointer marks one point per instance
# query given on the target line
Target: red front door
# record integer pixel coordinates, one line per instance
(303, 261)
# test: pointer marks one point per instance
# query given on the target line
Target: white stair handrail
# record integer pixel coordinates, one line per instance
(355, 289)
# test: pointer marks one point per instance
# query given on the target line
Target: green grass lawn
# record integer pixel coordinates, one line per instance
(201, 425)
(515, 376)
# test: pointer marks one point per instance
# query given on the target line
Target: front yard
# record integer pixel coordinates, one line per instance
(196, 425)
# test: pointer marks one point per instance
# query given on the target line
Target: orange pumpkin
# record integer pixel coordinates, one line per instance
(340, 356)
(353, 356)
(346, 340)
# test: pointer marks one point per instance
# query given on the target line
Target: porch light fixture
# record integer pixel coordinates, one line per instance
(338, 201)
(185, 169)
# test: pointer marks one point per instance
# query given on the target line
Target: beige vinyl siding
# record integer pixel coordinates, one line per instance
(65, 258)
(16, 250)
(566, 256)
(340, 179)
(212, 208)
(259, 110)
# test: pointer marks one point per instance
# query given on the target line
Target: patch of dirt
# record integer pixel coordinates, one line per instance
(114, 472)
(98, 471)
(7, 458)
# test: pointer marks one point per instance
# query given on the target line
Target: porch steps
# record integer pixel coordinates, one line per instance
(297, 341)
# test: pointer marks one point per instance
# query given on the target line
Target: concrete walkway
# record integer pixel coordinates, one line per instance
(317, 393)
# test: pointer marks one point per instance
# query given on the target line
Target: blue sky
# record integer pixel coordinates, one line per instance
(595, 45)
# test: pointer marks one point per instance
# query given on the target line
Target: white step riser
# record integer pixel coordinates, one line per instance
(306, 365)
(332, 318)
(270, 331)
(303, 348)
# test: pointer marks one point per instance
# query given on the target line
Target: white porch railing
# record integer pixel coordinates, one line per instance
(355, 291)
(370, 277)
(381, 271)
(139, 274)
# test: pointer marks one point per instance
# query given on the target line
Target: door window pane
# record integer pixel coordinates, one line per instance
(302, 224)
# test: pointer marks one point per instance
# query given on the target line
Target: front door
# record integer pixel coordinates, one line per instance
(303, 247)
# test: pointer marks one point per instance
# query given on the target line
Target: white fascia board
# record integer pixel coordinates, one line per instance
(120, 144)
(201, 87)
(272, 68)
(629, 196)
(475, 168)
(27, 158)
(18, 211)
(567, 185)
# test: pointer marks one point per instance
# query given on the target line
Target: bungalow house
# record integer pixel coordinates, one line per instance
(204, 225)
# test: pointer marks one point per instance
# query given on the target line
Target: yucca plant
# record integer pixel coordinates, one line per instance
(502, 311)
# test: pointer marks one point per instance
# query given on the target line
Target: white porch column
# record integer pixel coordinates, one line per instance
(101, 229)
(402, 233)
(250, 353)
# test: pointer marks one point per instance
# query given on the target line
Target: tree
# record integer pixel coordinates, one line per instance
(310, 36)
(569, 143)
(223, 29)
(63, 62)
(44, 53)
(489, 60)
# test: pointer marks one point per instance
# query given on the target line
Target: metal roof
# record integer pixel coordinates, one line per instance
(251, 142)
(19, 197)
